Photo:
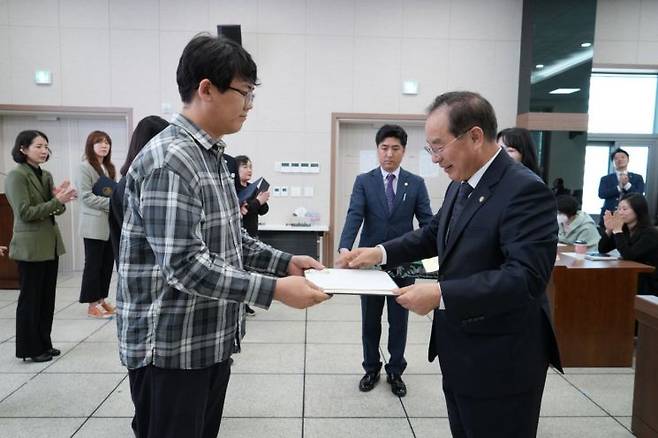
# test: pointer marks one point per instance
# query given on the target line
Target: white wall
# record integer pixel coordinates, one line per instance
(626, 32)
(314, 57)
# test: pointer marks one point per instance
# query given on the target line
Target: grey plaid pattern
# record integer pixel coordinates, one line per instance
(185, 264)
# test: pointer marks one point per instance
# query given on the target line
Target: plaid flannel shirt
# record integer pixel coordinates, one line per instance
(183, 254)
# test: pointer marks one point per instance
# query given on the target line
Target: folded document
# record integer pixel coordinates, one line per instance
(352, 281)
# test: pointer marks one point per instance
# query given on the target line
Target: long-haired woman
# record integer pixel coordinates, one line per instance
(94, 226)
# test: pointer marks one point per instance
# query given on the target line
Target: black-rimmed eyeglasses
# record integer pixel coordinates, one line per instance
(249, 96)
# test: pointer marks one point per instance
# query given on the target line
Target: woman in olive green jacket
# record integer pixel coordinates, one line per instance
(36, 243)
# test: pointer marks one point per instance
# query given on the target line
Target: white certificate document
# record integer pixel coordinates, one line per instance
(352, 281)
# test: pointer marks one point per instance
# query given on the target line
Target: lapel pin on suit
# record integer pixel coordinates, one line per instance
(481, 199)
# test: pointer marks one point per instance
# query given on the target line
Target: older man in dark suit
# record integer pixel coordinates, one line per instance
(495, 237)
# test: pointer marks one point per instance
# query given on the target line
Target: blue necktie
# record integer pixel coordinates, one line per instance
(390, 194)
(462, 196)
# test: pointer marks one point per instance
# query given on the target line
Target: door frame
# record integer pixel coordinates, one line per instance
(84, 111)
(346, 118)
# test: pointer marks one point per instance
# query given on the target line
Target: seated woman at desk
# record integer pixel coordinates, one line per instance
(575, 224)
(629, 230)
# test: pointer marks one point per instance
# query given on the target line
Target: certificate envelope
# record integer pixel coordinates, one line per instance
(352, 281)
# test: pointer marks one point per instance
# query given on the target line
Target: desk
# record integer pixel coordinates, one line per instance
(592, 309)
(645, 396)
(302, 240)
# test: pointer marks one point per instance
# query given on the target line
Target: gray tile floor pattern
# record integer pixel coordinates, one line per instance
(296, 377)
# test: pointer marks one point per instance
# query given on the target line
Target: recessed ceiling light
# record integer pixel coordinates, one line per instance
(585, 44)
(564, 91)
(539, 66)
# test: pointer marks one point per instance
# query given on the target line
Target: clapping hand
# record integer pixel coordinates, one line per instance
(613, 222)
(65, 192)
(623, 180)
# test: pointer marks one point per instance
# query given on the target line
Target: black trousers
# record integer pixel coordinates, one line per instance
(371, 330)
(97, 274)
(36, 306)
(178, 403)
(513, 416)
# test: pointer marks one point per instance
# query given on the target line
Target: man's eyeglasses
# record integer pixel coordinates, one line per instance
(249, 96)
(439, 150)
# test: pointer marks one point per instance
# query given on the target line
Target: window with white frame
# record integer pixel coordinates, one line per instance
(622, 103)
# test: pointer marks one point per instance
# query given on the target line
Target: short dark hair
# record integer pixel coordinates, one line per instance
(467, 109)
(639, 205)
(23, 140)
(217, 59)
(146, 129)
(394, 131)
(618, 151)
(567, 204)
(521, 140)
(241, 160)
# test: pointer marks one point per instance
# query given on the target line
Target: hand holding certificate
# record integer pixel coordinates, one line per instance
(295, 291)
(359, 258)
(420, 298)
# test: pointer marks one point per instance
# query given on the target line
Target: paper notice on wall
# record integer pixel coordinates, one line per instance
(367, 160)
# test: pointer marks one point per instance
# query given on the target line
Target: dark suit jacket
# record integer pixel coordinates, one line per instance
(368, 206)
(495, 337)
(640, 247)
(610, 194)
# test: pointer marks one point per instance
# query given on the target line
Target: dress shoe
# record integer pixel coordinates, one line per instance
(44, 357)
(368, 381)
(54, 352)
(397, 385)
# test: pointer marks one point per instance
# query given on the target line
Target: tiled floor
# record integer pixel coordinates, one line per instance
(296, 377)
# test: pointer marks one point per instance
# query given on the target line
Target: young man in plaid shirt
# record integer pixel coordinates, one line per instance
(183, 255)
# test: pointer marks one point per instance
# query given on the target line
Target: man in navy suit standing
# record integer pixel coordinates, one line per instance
(385, 201)
(615, 185)
(495, 236)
